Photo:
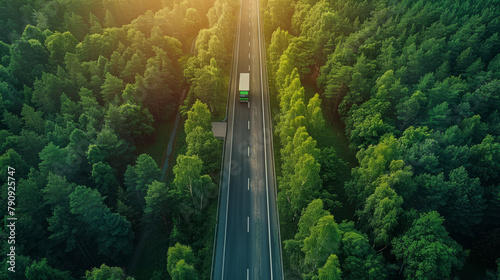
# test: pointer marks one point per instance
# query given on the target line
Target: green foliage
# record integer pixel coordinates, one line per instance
(310, 217)
(183, 271)
(199, 115)
(417, 97)
(309, 253)
(322, 242)
(58, 44)
(433, 254)
(209, 86)
(374, 162)
(156, 201)
(176, 254)
(42, 270)
(13, 159)
(203, 143)
(81, 85)
(138, 177)
(111, 87)
(460, 200)
(104, 178)
(105, 272)
(331, 270)
(381, 213)
(279, 43)
(192, 190)
(358, 259)
(28, 59)
(112, 232)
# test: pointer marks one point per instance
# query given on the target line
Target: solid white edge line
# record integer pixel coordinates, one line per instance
(231, 149)
(248, 274)
(265, 145)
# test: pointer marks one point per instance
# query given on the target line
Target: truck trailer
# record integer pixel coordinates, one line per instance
(244, 86)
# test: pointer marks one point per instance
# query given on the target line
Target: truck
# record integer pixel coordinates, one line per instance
(244, 86)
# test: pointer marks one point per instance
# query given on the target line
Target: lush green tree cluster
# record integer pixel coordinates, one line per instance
(208, 69)
(190, 193)
(322, 249)
(313, 250)
(300, 180)
(81, 85)
(26, 268)
(80, 17)
(105, 272)
(192, 187)
(415, 84)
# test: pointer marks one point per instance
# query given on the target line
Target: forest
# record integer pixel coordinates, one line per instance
(83, 86)
(415, 87)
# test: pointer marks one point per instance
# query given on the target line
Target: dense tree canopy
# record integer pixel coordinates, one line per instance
(414, 84)
(83, 86)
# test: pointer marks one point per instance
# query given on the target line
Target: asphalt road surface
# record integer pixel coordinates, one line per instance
(247, 242)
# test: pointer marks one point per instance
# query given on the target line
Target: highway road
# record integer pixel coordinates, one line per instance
(247, 242)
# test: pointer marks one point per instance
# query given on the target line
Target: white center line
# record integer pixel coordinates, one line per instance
(248, 124)
(248, 274)
(249, 44)
(249, 24)
(248, 55)
(248, 104)
(248, 150)
(248, 224)
(248, 68)
(248, 185)
(248, 33)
